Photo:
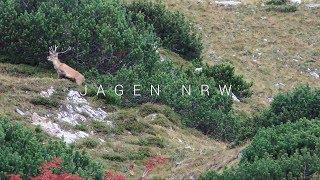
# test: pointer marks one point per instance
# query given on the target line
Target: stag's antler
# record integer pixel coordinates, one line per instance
(69, 48)
(53, 49)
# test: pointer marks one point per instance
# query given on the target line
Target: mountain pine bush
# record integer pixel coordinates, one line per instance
(212, 114)
(22, 151)
(176, 32)
(302, 102)
(288, 151)
(224, 74)
(101, 33)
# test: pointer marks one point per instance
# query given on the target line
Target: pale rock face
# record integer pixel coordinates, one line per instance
(313, 6)
(295, 1)
(76, 110)
(234, 98)
(315, 74)
(54, 129)
(48, 93)
(228, 3)
(198, 70)
(20, 112)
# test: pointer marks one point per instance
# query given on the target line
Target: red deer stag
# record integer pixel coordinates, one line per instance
(63, 70)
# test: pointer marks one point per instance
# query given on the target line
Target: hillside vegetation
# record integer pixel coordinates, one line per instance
(262, 53)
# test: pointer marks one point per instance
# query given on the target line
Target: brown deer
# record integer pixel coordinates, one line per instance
(63, 70)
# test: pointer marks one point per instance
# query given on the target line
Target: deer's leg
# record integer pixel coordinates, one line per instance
(61, 74)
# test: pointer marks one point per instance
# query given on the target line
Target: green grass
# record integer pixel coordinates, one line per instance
(47, 102)
(152, 141)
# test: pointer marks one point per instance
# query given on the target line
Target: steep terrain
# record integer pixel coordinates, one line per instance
(277, 51)
(138, 133)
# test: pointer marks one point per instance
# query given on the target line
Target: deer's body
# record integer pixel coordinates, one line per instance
(63, 70)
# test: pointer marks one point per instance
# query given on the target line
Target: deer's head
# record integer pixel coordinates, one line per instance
(53, 54)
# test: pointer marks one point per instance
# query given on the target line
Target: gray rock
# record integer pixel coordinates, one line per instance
(48, 92)
(279, 85)
(297, 2)
(270, 99)
(315, 74)
(312, 6)
(234, 98)
(77, 109)
(20, 112)
(54, 129)
(228, 3)
(198, 70)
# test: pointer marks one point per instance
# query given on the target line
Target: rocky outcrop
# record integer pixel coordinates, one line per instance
(76, 109)
(54, 129)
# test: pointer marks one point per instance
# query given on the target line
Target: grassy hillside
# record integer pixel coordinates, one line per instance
(266, 47)
(155, 131)
(276, 51)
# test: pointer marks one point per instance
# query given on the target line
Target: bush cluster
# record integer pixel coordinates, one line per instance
(287, 143)
(22, 151)
(121, 41)
(176, 32)
(289, 151)
(224, 74)
(209, 113)
(101, 33)
(281, 6)
(302, 102)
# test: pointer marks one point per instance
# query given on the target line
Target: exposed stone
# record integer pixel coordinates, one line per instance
(228, 3)
(20, 112)
(198, 70)
(295, 1)
(270, 99)
(234, 98)
(279, 85)
(54, 129)
(77, 109)
(313, 6)
(315, 74)
(48, 92)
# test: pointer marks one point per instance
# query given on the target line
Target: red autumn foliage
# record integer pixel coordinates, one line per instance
(113, 176)
(14, 177)
(151, 164)
(46, 173)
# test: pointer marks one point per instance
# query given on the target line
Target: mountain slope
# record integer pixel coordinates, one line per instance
(138, 133)
(277, 51)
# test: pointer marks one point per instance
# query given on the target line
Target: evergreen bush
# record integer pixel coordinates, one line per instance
(286, 107)
(288, 151)
(101, 33)
(176, 32)
(22, 151)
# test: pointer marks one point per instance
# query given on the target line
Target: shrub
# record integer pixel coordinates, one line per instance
(224, 74)
(288, 151)
(276, 2)
(175, 31)
(208, 113)
(156, 141)
(81, 127)
(50, 103)
(101, 127)
(22, 152)
(100, 33)
(302, 102)
(140, 154)
(90, 143)
(281, 6)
